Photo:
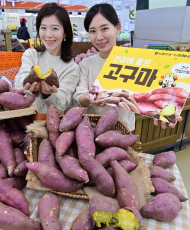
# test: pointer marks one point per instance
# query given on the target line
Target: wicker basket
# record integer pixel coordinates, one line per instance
(32, 153)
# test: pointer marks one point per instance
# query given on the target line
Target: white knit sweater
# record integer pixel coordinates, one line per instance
(89, 70)
(68, 74)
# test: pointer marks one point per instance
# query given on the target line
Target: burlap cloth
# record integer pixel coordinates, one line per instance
(140, 175)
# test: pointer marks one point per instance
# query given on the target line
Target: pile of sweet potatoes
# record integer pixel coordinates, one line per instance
(162, 103)
(12, 98)
(89, 53)
(78, 154)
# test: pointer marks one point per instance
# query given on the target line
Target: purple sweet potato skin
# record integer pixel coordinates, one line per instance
(115, 139)
(16, 101)
(24, 121)
(71, 119)
(5, 128)
(71, 167)
(158, 172)
(85, 138)
(3, 172)
(128, 165)
(21, 221)
(4, 86)
(18, 91)
(109, 154)
(49, 211)
(165, 159)
(163, 207)
(46, 154)
(20, 157)
(125, 187)
(98, 174)
(64, 141)
(53, 178)
(7, 154)
(162, 186)
(53, 138)
(21, 169)
(98, 202)
(14, 126)
(16, 182)
(13, 197)
(142, 228)
(17, 138)
(84, 221)
(107, 121)
(52, 119)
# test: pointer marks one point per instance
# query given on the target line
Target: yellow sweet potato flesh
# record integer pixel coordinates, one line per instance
(47, 74)
(38, 71)
(102, 217)
(126, 220)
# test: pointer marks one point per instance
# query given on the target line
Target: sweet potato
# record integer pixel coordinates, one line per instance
(64, 141)
(46, 154)
(107, 121)
(127, 218)
(51, 78)
(125, 186)
(132, 100)
(101, 210)
(20, 157)
(162, 103)
(132, 106)
(53, 178)
(14, 126)
(174, 91)
(123, 105)
(4, 86)
(158, 172)
(162, 186)
(165, 159)
(94, 89)
(18, 91)
(115, 139)
(3, 172)
(72, 150)
(16, 182)
(17, 138)
(83, 221)
(112, 153)
(7, 154)
(120, 94)
(21, 221)
(85, 138)
(52, 119)
(16, 101)
(98, 174)
(128, 165)
(24, 121)
(13, 197)
(109, 100)
(71, 119)
(163, 207)
(5, 128)
(111, 227)
(140, 97)
(53, 138)
(49, 211)
(71, 167)
(145, 106)
(21, 169)
(166, 97)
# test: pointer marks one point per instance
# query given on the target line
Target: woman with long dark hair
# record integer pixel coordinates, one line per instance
(54, 29)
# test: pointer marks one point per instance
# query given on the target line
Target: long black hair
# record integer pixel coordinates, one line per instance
(106, 10)
(62, 15)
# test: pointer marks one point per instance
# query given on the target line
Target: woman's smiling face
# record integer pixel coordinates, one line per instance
(52, 34)
(102, 34)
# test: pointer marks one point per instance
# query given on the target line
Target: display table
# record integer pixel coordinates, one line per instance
(71, 207)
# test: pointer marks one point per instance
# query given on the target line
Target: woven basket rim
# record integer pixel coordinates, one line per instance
(30, 158)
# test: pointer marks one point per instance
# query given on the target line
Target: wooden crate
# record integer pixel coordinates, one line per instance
(153, 137)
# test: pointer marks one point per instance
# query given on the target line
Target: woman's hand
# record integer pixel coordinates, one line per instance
(36, 86)
(48, 90)
(164, 124)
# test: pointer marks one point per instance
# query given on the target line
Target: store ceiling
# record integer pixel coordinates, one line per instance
(38, 6)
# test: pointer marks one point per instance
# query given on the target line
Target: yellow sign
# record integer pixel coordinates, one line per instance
(154, 78)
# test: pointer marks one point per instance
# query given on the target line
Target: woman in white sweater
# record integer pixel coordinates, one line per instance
(55, 31)
(103, 25)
